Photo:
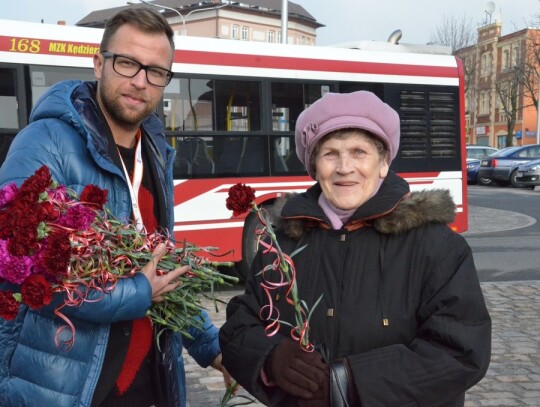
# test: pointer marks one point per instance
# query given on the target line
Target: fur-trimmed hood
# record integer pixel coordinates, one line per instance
(393, 210)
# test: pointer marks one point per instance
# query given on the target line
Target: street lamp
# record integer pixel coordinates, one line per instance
(184, 18)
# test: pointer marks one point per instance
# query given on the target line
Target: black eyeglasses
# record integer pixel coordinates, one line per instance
(129, 67)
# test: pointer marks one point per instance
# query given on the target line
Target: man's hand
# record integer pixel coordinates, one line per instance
(227, 378)
(161, 284)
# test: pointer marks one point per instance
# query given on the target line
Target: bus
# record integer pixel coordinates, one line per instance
(231, 108)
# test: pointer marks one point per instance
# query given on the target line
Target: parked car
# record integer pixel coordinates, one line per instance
(529, 174)
(478, 152)
(474, 155)
(502, 166)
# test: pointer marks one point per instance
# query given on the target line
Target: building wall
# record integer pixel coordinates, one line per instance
(242, 26)
(493, 60)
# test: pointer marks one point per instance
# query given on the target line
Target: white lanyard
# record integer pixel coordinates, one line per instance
(136, 183)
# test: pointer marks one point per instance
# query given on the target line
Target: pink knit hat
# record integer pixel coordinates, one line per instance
(335, 111)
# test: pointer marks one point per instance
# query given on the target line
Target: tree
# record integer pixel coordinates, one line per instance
(455, 32)
(531, 68)
(508, 91)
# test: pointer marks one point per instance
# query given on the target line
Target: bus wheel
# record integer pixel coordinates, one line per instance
(249, 246)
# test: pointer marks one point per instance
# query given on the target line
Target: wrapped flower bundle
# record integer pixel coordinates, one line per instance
(52, 243)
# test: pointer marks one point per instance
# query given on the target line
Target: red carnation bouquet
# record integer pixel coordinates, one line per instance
(241, 199)
(52, 243)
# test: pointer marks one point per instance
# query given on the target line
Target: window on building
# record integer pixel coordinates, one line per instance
(271, 36)
(470, 103)
(235, 34)
(485, 69)
(506, 59)
(245, 33)
(279, 37)
(516, 56)
(484, 103)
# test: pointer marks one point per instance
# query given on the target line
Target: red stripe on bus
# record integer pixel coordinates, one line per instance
(83, 49)
(209, 222)
(309, 64)
(190, 189)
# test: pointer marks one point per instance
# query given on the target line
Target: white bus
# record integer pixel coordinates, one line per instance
(231, 108)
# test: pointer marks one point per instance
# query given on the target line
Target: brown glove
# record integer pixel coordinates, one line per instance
(295, 371)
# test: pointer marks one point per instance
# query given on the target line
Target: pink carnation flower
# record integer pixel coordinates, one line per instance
(14, 269)
(78, 217)
(7, 193)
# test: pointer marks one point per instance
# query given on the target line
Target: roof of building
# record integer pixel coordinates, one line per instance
(98, 18)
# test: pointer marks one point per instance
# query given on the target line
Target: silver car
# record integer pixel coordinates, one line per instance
(502, 167)
(528, 174)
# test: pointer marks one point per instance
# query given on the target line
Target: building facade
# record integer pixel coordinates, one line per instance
(501, 87)
(249, 20)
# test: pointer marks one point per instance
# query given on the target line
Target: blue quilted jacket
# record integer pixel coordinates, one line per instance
(66, 134)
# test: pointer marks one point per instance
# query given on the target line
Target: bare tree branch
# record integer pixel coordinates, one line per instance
(455, 32)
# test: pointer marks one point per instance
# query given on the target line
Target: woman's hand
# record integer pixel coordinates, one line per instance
(295, 371)
(164, 283)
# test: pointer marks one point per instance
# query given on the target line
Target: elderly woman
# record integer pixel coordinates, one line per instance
(402, 317)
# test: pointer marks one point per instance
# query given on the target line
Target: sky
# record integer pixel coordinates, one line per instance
(344, 20)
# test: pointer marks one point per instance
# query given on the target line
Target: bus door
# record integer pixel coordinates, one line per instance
(13, 105)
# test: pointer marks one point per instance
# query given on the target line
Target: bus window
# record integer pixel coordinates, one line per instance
(289, 99)
(194, 157)
(12, 106)
(212, 105)
(238, 105)
(188, 105)
(9, 116)
(285, 161)
(241, 155)
(43, 77)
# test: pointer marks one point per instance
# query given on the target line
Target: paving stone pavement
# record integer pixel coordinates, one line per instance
(513, 378)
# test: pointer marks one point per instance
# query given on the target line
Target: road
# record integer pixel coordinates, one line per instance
(507, 255)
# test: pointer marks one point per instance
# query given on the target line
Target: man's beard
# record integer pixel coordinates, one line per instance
(122, 116)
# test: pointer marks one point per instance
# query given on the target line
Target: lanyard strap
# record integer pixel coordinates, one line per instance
(135, 184)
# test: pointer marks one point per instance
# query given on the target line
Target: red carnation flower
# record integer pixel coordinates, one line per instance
(36, 291)
(24, 241)
(240, 199)
(36, 184)
(9, 307)
(57, 255)
(48, 212)
(93, 194)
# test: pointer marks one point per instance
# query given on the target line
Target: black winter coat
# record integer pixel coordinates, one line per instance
(397, 260)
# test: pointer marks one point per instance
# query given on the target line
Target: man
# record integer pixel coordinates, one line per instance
(105, 133)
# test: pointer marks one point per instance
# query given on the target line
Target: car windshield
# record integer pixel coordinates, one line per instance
(479, 152)
(505, 151)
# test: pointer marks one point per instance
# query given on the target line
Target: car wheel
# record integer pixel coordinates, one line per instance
(515, 182)
(485, 181)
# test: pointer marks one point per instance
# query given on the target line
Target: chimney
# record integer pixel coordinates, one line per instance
(61, 22)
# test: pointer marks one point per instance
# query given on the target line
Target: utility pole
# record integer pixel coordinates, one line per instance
(284, 20)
